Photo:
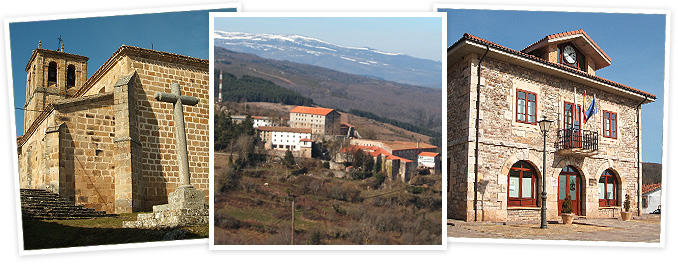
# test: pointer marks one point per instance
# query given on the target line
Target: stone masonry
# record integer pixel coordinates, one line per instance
(503, 141)
(105, 143)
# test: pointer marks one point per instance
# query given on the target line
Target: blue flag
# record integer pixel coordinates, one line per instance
(592, 110)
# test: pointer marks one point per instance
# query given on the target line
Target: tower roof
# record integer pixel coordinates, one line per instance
(581, 40)
(55, 54)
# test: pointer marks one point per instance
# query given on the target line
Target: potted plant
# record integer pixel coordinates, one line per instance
(626, 214)
(566, 213)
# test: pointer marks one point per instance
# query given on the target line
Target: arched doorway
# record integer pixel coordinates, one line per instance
(569, 182)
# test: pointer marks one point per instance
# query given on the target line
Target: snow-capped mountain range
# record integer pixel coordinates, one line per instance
(396, 67)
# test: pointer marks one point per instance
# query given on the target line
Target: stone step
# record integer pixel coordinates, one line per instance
(42, 204)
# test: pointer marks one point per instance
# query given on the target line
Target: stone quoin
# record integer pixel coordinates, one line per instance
(104, 142)
(497, 95)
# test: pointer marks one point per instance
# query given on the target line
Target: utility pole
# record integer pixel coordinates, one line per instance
(293, 196)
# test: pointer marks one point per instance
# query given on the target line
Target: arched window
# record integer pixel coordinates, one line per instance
(522, 189)
(607, 189)
(51, 73)
(70, 76)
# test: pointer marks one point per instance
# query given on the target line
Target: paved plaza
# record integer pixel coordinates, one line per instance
(640, 229)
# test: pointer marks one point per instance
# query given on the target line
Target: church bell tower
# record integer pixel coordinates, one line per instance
(51, 75)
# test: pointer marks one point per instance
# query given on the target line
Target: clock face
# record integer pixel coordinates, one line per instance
(569, 55)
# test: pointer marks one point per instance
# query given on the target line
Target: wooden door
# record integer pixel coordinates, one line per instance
(569, 182)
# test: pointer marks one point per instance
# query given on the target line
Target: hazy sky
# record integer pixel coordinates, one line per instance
(415, 36)
(634, 42)
(98, 38)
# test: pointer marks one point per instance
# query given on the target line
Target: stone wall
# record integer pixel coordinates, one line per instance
(504, 141)
(459, 100)
(86, 151)
(156, 128)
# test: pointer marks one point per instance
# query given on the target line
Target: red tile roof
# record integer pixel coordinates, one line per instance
(373, 151)
(283, 129)
(651, 187)
(405, 145)
(428, 154)
(468, 36)
(306, 140)
(312, 110)
(558, 35)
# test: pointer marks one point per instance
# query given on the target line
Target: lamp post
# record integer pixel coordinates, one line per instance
(544, 125)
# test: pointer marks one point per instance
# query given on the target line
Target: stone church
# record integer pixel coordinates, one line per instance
(497, 97)
(104, 142)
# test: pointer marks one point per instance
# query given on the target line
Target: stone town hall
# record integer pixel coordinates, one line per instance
(495, 162)
(104, 142)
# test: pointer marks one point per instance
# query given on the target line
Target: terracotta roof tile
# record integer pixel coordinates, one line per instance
(580, 31)
(283, 129)
(468, 36)
(428, 154)
(312, 110)
(651, 187)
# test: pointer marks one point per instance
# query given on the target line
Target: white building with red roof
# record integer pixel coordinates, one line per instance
(279, 138)
(429, 160)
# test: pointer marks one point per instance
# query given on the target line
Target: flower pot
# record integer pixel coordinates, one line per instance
(626, 216)
(567, 218)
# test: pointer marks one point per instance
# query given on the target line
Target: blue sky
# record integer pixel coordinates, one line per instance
(634, 42)
(407, 35)
(98, 38)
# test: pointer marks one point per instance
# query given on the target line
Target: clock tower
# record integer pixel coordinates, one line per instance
(574, 49)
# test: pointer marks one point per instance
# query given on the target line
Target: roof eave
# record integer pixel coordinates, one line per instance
(549, 68)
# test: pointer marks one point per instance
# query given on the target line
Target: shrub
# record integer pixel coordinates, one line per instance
(229, 179)
(223, 220)
(376, 181)
(627, 203)
(344, 192)
(314, 238)
(288, 160)
(299, 171)
(567, 205)
(326, 165)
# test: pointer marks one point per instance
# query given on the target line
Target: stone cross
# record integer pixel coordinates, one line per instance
(178, 101)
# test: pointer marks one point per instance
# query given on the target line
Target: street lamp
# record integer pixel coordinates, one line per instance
(544, 125)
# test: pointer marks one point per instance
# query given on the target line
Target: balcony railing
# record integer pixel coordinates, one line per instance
(577, 141)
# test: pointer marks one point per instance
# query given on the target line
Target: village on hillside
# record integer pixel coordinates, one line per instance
(347, 183)
(307, 128)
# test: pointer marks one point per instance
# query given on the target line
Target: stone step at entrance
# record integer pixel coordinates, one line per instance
(42, 204)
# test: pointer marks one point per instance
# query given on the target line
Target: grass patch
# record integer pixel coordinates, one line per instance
(45, 234)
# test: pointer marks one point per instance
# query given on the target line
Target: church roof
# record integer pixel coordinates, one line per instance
(531, 61)
(581, 40)
(312, 110)
(124, 50)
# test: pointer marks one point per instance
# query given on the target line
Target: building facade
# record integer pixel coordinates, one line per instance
(497, 96)
(297, 140)
(322, 121)
(430, 161)
(105, 142)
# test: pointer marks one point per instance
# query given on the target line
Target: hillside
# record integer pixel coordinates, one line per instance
(329, 88)
(253, 206)
(652, 173)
